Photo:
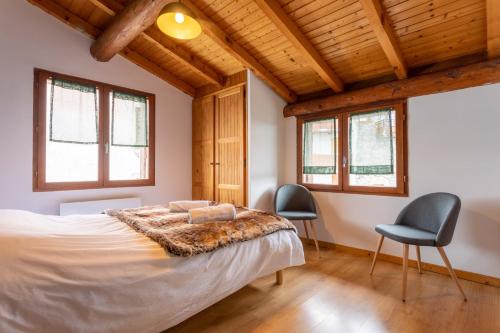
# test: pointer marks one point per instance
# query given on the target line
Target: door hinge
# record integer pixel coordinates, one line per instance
(36, 173)
(405, 179)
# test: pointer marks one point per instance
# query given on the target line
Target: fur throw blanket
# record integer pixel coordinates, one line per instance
(177, 236)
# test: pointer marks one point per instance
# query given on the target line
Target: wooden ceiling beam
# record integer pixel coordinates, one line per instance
(277, 15)
(381, 27)
(136, 17)
(493, 27)
(109, 7)
(211, 29)
(112, 7)
(452, 79)
(152, 67)
(53, 8)
(56, 10)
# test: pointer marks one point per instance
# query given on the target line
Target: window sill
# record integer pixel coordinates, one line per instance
(54, 187)
(373, 191)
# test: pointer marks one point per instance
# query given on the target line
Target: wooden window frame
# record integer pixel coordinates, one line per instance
(401, 189)
(39, 136)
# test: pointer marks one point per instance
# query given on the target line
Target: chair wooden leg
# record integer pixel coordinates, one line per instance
(450, 269)
(419, 262)
(305, 228)
(379, 246)
(315, 235)
(279, 278)
(405, 268)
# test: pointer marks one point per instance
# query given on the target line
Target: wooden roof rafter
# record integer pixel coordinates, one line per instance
(493, 27)
(211, 29)
(381, 27)
(277, 15)
(112, 7)
(64, 15)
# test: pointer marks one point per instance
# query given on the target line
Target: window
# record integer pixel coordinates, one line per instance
(91, 135)
(360, 151)
(320, 151)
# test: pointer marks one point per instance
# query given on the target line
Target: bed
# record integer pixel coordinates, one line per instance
(93, 273)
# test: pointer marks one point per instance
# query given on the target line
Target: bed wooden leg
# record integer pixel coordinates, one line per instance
(279, 278)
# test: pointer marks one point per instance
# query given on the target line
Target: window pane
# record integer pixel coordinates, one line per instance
(128, 163)
(372, 152)
(320, 152)
(129, 123)
(128, 153)
(73, 112)
(71, 149)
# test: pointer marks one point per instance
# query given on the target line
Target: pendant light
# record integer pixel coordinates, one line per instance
(178, 21)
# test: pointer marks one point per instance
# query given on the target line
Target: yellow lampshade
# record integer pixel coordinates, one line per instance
(178, 21)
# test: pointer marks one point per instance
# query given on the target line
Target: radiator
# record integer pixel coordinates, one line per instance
(97, 206)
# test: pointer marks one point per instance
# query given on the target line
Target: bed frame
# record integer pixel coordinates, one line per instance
(279, 277)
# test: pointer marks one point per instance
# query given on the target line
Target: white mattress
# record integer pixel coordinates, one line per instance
(92, 273)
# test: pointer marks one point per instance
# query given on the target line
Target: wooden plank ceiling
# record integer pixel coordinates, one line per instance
(301, 47)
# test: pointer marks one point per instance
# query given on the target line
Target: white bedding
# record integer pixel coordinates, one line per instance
(92, 273)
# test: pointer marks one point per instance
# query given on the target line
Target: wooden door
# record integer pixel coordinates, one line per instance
(230, 146)
(203, 148)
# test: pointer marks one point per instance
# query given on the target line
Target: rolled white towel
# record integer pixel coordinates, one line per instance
(186, 205)
(222, 212)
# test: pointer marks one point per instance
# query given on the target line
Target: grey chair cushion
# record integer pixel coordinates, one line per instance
(297, 215)
(406, 234)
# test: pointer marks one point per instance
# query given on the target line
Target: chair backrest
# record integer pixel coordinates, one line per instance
(293, 197)
(434, 212)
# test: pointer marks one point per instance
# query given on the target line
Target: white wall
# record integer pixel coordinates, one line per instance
(264, 142)
(31, 38)
(454, 146)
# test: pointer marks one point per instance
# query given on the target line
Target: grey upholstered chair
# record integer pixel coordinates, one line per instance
(295, 202)
(427, 221)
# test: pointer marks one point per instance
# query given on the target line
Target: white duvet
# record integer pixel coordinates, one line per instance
(92, 273)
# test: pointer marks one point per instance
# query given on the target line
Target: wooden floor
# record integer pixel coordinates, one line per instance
(336, 294)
